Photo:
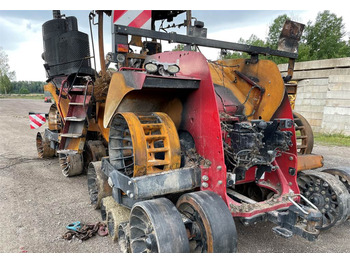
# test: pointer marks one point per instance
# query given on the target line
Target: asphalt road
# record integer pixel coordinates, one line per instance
(37, 202)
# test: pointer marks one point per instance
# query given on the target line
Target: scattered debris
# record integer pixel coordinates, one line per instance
(86, 231)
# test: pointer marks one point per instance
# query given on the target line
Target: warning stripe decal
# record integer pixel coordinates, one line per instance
(133, 18)
(141, 19)
(36, 120)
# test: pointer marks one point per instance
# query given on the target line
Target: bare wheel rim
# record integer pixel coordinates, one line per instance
(304, 134)
(328, 194)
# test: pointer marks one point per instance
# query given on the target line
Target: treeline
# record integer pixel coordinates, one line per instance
(27, 87)
(321, 39)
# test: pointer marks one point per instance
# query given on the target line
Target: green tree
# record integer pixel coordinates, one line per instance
(5, 84)
(253, 40)
(325, 37)
(24, 90)
(5, 74)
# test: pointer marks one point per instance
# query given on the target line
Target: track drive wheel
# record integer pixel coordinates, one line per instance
(142, 144)
(71, 164)
(157, 227)
(43, 146)
(98, 186)
(328, 194)
(54, 120)
(210, 225)
(343, 175)
(304, 134)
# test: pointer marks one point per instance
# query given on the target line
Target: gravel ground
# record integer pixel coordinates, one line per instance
(37, 202)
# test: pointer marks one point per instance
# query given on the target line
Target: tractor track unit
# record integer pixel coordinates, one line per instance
(176, 146)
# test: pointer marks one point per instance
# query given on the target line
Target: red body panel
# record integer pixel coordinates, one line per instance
(201, 119)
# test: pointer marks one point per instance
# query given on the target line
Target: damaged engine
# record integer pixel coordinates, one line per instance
(255, 143)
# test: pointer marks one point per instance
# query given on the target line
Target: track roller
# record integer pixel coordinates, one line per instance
(328, 194)
(43, 146)
(71, 164)
(114, 214)
(209, 224)
(98, 186)
(157, 227)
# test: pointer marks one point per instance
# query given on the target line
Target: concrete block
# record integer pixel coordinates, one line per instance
(317, 115)
(318, 64)
(339, 78)
(337, 110)
(312, 82)
(320, 73)
(338, 102)
(315, 122)
(338, 94)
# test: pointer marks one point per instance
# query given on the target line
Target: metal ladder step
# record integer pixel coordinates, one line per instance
(76, 104)
(69, 135)
(74, 119)
(67, 151)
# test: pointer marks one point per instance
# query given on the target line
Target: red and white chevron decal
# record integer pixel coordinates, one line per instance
(36, 120)
(133, 18)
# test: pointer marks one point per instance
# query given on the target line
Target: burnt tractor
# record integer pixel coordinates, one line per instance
(175, 146)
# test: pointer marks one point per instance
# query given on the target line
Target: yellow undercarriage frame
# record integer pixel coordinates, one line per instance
(143, 144)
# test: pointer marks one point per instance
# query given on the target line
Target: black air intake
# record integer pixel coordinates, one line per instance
(65, 48)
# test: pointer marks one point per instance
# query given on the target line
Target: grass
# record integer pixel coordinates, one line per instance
(23, 96)
(332, 139)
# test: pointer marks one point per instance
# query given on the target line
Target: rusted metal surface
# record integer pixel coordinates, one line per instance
(309, 161)
(290, 36)
(304, 134)
(43, 146)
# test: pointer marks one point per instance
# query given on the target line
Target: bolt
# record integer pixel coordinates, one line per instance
(317, 188)
(130, 183)
(327, 199)
(326, 206)
(311, 189)
(323, 192)
(291, 158)
(110, 182)
(290, 183)
(131, 195)
(205, 184)
(219, 168)
(323, 210)
(220, 182)
(205, 178)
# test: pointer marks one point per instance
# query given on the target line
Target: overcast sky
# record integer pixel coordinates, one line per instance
(21, 35)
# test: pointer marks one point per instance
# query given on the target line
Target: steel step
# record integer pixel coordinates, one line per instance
(74, 119)
(69, 135)
(67, 151)
(76, 104)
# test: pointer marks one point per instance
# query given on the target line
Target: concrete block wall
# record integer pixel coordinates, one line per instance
(323, 94)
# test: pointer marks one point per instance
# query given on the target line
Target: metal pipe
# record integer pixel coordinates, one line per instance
(100, 42)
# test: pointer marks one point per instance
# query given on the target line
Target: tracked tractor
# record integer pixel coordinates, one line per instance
(178, 148)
